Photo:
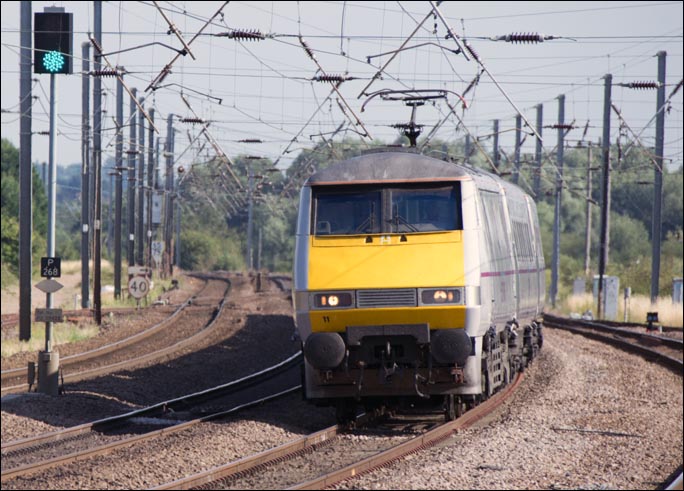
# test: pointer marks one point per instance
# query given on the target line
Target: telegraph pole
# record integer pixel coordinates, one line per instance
(259, 248)
(25, 173)
(97, 167)
(496, 143)
(587, 230)
(140, 185)
(85, 178)
(168, 209)
(150, 188)
(177, 245)
(130, 250)
(110, 215)
(119, 188)
(516, 158)
(250, 225)
(605, 190)
(538, 153)
(555, 263)
(466, 159)
(658, 181)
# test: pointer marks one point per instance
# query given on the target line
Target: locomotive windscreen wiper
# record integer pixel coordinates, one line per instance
(369, 222)
(398, 219)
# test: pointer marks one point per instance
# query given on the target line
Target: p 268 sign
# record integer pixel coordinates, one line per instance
(50, 267)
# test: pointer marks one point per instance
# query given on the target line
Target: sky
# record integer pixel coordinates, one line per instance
(266, 89)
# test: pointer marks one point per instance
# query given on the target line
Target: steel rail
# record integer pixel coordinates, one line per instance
(75, 377)
(428, 439)
(156, 409)
(10, 320)
(603, 332)
(607, 334)
(618, 328)
(86, 355)
(310, 442)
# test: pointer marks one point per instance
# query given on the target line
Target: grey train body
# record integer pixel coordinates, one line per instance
(502, 292)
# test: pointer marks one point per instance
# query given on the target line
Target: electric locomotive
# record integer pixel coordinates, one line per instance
(414, 278)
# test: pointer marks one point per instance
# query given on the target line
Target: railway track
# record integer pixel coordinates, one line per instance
(283, 282)
(134, 350)
(663, 349)
(74, 315)
(330, 452)
(42, 452)
(334, 454)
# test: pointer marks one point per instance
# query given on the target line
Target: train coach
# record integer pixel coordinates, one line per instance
(414, 279)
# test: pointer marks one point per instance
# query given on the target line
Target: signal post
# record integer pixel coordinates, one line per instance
(53, 50)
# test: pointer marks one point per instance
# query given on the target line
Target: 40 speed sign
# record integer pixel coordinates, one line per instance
(138, 286)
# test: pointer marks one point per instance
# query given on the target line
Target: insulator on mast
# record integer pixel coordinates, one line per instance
(524, 37)
(472, 51)
(244, 35)
(104, 73)
(561, 127)
(332, 78)
(641, 85)
(306, 47)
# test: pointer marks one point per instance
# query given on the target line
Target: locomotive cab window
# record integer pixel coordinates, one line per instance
(406, 208)
(347, 213)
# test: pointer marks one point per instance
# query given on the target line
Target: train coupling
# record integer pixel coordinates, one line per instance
(359, 382)
(457, 373)
(388, 363)
(417, 379)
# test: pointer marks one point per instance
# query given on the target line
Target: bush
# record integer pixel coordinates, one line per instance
(198, 251)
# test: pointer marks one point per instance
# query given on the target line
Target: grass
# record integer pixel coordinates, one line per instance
(126, 300)
(107, 279)
(67, 332)
(62, 333)
(72, 266)
(669, 314)
(8, 278)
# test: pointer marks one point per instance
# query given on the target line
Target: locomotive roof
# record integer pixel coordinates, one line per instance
(393, 165)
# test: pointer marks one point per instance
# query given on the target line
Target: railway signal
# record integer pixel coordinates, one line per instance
(53, 41)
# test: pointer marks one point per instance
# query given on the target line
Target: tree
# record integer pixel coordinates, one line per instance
(9, 208)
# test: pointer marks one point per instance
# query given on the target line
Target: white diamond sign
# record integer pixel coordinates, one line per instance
(49, 286)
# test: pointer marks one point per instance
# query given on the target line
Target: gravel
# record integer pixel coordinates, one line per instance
(114, 326)
(228, 354)
(176, 455)
(587, 416)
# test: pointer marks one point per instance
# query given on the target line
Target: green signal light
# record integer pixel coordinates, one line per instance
(53, 61)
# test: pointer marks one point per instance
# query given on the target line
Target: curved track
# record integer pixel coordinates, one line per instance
(122, 354)
(331, 447)
(297, 465)
(57, 448)
(666, 350)
(634, 338)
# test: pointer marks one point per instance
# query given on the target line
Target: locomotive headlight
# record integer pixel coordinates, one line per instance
(441, 296)
(433, 296)
(332, 300)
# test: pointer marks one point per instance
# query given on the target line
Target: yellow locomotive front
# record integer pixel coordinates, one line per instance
(380, 281)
